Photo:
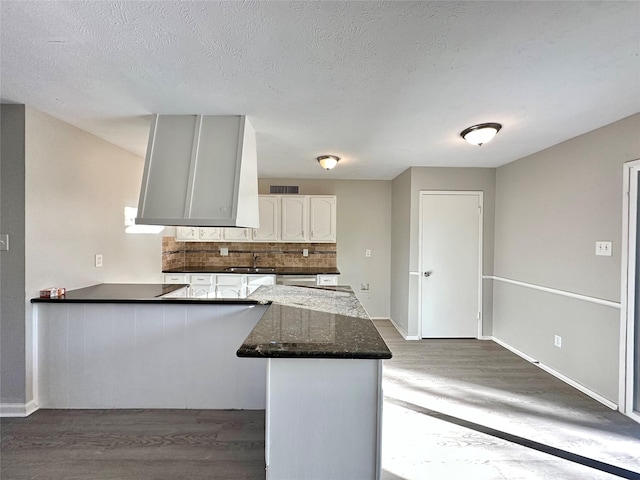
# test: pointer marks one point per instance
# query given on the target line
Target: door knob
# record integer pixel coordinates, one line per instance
(427, 274)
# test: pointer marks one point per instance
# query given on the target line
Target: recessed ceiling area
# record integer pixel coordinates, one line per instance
(383, 85)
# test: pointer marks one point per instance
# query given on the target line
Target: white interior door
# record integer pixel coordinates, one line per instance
(450, 258)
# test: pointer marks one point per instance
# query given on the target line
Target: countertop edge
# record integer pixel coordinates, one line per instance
(251, 353)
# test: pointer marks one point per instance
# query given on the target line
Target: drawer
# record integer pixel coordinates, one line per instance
(261, 279)
(327, 279)
(230, 279)
(202, 279)
(175, 278)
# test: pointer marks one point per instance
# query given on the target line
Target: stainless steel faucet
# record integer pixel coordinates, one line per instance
(255, 260)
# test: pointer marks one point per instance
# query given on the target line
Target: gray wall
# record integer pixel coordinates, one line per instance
(551, 209)
(406, 245)
(363, 222)
(400, 246)
(12, 262)
(65, 195)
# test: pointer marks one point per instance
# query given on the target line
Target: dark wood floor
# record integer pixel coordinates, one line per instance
(133, 444)
(481, 382)
(465, 380)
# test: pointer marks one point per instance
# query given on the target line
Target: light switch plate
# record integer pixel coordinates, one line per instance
(604, 249)
(4, 242)
(224, 251)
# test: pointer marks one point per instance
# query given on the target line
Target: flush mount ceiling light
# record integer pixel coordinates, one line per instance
(481, 133)
(328, 161)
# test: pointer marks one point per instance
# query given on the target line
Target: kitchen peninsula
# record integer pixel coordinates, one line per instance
(310, 356)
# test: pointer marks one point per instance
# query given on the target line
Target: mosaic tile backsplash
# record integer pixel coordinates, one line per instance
(177, 255)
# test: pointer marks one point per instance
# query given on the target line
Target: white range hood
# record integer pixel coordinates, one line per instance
(200, 170)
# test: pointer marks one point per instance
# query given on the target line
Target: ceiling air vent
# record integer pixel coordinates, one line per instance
(284, 189)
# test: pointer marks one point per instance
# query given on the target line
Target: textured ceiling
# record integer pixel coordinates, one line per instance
(385, 85)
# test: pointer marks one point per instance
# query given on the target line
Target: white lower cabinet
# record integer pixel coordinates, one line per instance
(220, 285)
(202, 285)
(254, 282)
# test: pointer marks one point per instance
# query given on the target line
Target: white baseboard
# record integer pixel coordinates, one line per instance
(18, 409)
(558, 375)
(402, 331)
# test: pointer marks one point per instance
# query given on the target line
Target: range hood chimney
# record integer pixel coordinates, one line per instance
(200, 170)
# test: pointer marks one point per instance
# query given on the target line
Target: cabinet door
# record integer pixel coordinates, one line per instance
(269, 230)
(322, 219)
(187, 234)
(237, 234)
(294, 219)
(210, 234)
(202, 291)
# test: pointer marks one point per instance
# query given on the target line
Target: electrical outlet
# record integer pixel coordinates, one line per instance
(224, 252)
(557, 341)
(604, 249)
(305, 252)
(367, 253)
(98, 260)
(364, 287)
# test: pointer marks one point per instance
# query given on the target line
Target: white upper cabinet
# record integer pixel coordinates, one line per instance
(283, 218)
(237, 234)
(198, 234)
(187, 234)
(322, 219)
(208, 234)
(294, 218)
(269, 230)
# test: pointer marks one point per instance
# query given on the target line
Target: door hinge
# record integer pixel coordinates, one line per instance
(479, 210)
(479, 315)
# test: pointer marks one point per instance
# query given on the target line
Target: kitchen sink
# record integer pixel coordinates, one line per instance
(250, 270)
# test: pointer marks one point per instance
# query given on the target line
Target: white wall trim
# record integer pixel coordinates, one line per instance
(558, 375)
(17, 409)
(564, 293)
(402, 331)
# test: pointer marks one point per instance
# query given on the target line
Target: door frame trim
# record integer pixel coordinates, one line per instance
(628, 287)
(480, 195)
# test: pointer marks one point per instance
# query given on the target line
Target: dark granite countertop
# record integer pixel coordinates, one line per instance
(313, 322)
(301, 322)
(135, 293)
(277, 271)
(291, 332)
